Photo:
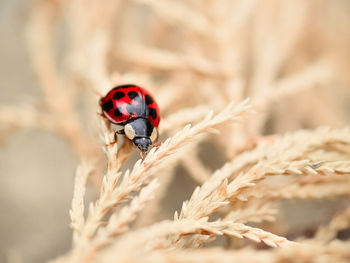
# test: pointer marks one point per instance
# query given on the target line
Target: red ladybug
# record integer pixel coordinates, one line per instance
(134, 108)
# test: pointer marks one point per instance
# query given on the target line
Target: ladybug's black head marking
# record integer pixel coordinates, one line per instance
(142, 143)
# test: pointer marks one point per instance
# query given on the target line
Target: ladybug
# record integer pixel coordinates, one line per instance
(135, 109)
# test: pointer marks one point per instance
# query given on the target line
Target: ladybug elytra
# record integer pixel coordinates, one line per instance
(135, 109)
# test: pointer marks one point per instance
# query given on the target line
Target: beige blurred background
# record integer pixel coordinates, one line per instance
(37, 168)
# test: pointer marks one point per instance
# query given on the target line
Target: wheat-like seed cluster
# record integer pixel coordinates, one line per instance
(238, 83)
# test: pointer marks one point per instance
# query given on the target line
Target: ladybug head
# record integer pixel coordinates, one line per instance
(142, 133)
(142, 143)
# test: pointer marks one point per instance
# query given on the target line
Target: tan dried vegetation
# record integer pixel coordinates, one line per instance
(197, 56)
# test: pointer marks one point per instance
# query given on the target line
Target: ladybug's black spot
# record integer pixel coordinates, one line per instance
(107, 106)
(118, 95)
(153, 113)
(118, 112)
(148, 99)
(132, 94)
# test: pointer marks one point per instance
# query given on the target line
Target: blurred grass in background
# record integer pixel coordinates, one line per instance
(275, 44)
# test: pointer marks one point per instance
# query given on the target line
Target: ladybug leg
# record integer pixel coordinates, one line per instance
(122, 132)
(115, 140)
(116, 136)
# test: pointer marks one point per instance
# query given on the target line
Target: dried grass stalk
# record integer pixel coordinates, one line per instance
(118, 222)
(77, 211)
(339, 222)
(309, 253)
(165, 234)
